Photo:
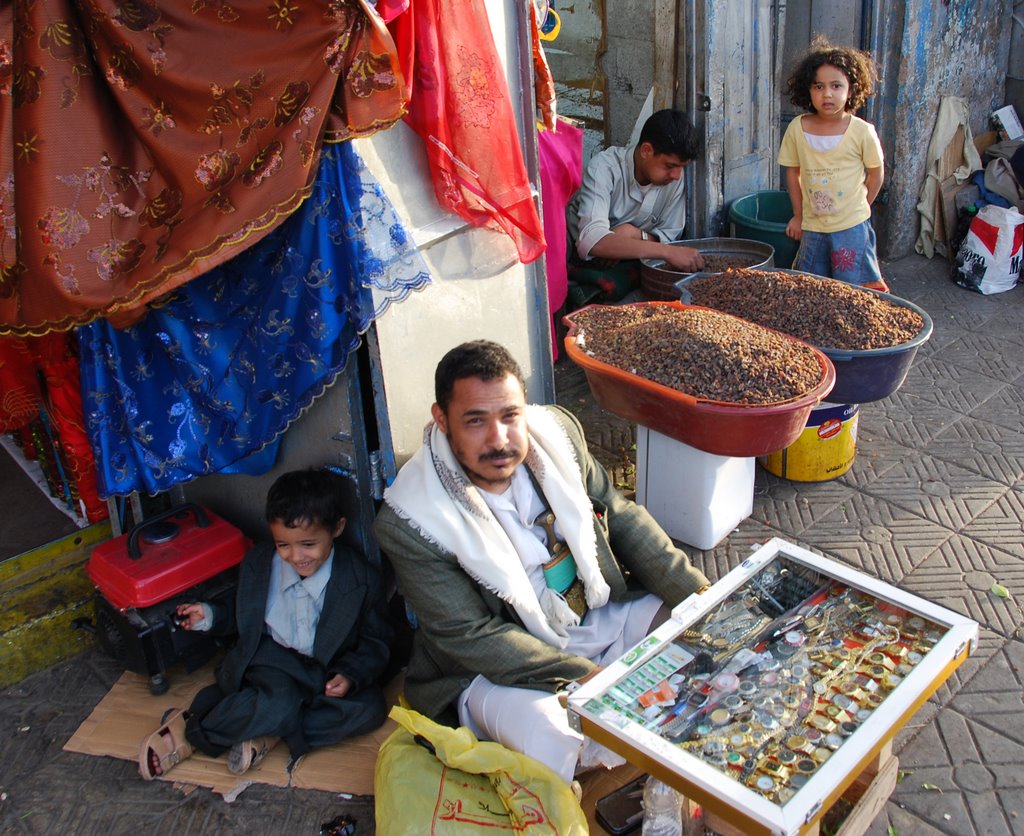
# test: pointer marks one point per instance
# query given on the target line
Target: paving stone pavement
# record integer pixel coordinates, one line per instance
(934, 504)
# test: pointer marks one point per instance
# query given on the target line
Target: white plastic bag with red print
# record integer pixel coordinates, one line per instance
(990, 256)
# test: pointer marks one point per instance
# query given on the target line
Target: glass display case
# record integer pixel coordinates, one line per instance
(765, 697)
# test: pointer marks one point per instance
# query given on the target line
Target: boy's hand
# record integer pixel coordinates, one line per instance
(686, 259)
(337, 686)
(794, 229)
(189, 615)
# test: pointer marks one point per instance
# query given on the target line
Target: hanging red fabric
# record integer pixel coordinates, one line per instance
(58, 361)
(461, 107)
(19, 385)
(42, 372)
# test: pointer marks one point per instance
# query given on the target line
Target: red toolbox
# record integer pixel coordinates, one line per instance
(185, 554)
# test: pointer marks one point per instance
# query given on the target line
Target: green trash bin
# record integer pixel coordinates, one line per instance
(763, 216)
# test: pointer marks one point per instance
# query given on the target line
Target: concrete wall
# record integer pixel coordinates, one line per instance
(930, 50)
(603, 65)
(575, 60)
(1015, 70)
(628, 64)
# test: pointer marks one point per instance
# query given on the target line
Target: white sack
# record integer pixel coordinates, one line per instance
(989, 258)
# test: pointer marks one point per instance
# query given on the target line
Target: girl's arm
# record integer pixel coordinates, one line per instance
(873, 181)
(794, 229)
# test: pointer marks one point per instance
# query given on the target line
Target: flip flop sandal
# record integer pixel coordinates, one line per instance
(167, 745)
(245, 755)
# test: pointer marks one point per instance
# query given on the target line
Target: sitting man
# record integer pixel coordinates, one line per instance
(632, 202)
(525, 567)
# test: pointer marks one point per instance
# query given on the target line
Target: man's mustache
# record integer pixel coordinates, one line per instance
(500, 454)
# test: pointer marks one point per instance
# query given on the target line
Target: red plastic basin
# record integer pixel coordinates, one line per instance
(719, 427)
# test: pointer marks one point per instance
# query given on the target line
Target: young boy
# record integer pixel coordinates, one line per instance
(313, 638)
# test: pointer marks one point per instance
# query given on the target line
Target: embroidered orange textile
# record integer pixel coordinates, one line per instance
(460, 105)
(145, 143)
(543, 81)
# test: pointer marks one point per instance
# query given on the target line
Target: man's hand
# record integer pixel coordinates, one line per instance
(684, 259)
(563, 696)
(337, 686)
(627, 241)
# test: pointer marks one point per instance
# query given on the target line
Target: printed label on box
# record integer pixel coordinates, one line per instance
(1008, 121)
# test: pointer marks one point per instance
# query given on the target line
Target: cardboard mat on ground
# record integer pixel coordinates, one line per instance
(129, 713)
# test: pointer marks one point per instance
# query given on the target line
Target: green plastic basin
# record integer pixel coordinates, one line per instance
(762, 216)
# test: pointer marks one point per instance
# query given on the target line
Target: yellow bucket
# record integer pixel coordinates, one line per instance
(825, 449)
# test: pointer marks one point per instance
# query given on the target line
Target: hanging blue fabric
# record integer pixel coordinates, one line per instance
(207, 382)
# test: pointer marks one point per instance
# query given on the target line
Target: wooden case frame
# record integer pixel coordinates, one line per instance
(729, 799)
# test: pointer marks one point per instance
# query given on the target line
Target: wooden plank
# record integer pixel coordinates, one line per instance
(946, 216)
(43, 592)
(875, 796)
(860, 786)
(868, 795)
(597, 784)
(666, 27)
(983, 141)
(712, 822)
(953, 157)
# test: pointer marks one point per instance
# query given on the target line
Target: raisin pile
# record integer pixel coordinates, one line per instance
(824, 312)
(703, 353)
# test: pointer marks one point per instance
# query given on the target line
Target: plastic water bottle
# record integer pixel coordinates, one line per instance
(662, 809)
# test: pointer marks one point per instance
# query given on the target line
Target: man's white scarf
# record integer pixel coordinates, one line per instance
(434, 494)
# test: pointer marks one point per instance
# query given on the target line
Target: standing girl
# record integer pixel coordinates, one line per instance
(833, 163)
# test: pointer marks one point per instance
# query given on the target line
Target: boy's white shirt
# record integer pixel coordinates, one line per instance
(286, 627)
(294, 603)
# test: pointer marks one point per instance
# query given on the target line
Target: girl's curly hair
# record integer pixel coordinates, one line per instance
(858, 66)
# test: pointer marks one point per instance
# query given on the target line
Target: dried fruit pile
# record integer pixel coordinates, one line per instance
(713, 263)
(702, 353)
(717, 263)
(824, 312)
